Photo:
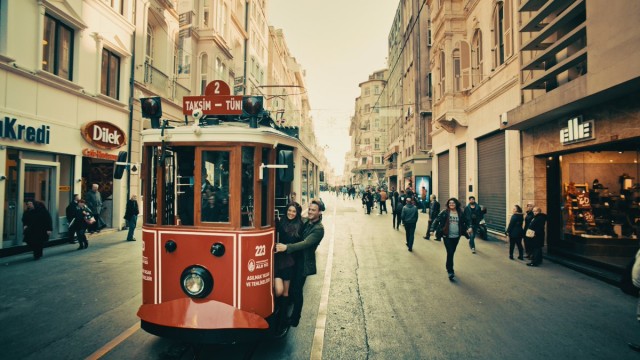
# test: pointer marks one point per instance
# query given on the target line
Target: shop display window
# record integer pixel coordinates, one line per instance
(601, 194)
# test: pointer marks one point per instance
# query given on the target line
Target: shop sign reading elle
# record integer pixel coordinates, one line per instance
(577, 131)
(104, 135)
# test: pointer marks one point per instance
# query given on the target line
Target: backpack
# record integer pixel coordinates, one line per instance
(626, 282)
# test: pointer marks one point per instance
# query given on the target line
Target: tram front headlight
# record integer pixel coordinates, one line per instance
(196, 281)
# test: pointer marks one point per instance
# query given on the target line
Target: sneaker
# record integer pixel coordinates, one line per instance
(451, 276)
(473, 250)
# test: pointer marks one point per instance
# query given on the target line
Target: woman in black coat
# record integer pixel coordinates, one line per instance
(515, 232)
(537, 240)
(37, 227)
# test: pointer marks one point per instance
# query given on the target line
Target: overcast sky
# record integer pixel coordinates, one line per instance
(339, 43)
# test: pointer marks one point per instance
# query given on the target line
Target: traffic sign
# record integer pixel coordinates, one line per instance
(213, 105)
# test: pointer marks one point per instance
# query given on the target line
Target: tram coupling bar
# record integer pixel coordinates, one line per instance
(273, 166)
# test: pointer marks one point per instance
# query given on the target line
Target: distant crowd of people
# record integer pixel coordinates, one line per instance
(452, 222)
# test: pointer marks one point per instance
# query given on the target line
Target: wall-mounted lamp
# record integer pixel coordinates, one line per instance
(79, 180)
(2, 177)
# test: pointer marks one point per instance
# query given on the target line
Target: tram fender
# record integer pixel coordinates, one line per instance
(200, 314)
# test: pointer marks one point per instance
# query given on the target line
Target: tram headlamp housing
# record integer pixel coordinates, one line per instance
(196, 281)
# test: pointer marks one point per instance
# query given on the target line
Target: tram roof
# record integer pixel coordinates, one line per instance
(231, 131)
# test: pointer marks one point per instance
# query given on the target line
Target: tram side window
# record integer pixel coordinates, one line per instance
(248, 167)
(214, 190)
(312, 181)
(184, 183)
(303, 177)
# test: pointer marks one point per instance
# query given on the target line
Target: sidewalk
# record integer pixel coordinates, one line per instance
(106, 233)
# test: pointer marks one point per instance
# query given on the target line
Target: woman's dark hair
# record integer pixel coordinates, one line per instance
(39, 205)
(458, 209)
(292, 227)
(518, 208)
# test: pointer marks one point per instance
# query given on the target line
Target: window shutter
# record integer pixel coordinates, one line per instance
(465, 64)
(508, 34)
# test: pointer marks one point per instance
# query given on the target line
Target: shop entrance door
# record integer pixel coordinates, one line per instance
(39, 183)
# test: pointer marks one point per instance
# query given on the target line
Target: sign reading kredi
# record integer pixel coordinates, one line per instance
(577, 130)
(104, 135)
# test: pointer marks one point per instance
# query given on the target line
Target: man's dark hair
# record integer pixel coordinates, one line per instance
(319, 203)
(472, 197)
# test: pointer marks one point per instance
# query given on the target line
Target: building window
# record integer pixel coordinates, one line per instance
(456, 70)
(376, 90)
(117, 5)
(110, 74)
(366, 91)
(377, 160)
(429, 33)
(57, 48)
(376, 144)
(476, 58)
(205, 15)
(148, 55)
(498, 36)
(367, 108)
(442, 75)
(204, 66)
(429, 86)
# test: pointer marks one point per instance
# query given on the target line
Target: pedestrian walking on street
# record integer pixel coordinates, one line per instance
(434, 210)
(94, 202)
(451, 224)
(536, 234)
(394, 197)
(402, 198)
(82, 217)
(367, 200)
(131, 216)
(37, 227)
(383, 201)
(305, 256)
(515, 232)
(473, 213)
(70, 212)
(409, 216)
(527, 221)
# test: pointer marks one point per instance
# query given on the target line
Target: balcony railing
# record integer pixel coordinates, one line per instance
(179, 91)
(156, 79)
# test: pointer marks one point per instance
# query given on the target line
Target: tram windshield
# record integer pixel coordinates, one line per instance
(209, 185)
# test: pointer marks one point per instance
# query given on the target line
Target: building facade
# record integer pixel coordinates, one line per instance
(368, 130)
(579, 121)
(64, 102)
(475, 67)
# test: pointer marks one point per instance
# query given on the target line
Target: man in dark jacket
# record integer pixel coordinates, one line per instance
(71, 210)
(537, 241)
(434, 210)
(305, 256)
(409, 218)
(474, 215)
(131, 216)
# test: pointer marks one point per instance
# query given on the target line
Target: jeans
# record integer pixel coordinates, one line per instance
(410, 231)
(450, 244)
(131, 224)
(396, 220)
(383, 207)
(472, 237)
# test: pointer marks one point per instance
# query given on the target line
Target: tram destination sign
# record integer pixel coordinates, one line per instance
(213, 105)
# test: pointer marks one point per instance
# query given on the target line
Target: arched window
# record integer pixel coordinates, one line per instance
(476, 58)
(204, 66)
(456, 71)
(149, 50)
(498, 35)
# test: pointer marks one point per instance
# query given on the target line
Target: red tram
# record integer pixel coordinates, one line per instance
(212, 196)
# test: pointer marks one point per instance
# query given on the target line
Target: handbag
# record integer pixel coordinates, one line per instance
(530, 233)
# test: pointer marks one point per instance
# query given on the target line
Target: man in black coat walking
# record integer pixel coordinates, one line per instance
(434, 210)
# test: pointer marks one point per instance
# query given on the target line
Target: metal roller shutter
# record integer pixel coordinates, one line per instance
(462, 173)
(492, 183)
(443, 178)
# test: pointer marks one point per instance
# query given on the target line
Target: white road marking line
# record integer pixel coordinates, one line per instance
(113, 343)
(321, 321)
